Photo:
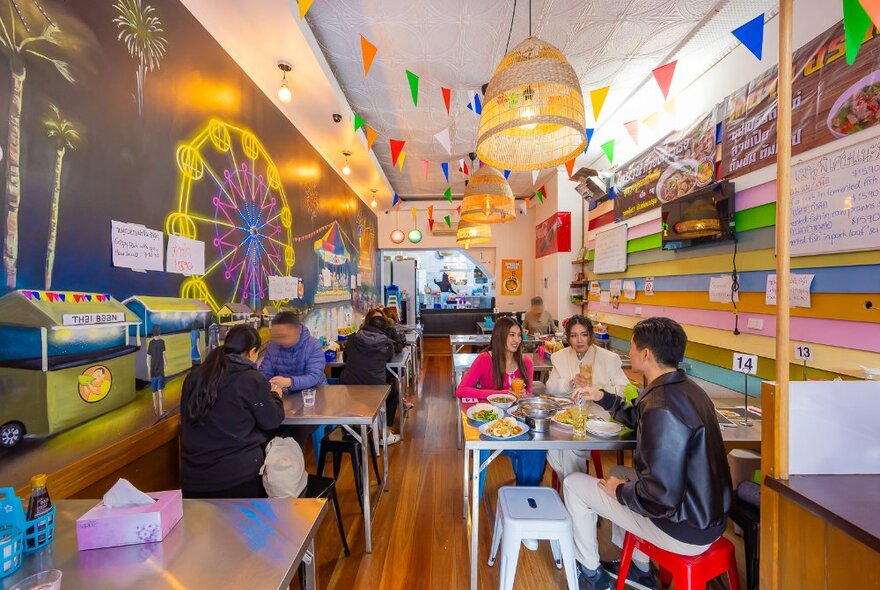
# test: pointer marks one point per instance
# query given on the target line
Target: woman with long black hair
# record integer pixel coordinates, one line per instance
(228, 412)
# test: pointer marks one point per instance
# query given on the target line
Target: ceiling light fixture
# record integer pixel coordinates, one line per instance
(374, 203)
(470, 233)
(284, 93)
(488, 198)
(345, 169)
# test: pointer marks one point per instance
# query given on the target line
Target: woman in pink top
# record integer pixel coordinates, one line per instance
(494, 371)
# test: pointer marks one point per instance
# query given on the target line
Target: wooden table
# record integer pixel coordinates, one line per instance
(217, 544)
(348, 406)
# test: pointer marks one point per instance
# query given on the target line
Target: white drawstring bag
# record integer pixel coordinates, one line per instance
(284, 470)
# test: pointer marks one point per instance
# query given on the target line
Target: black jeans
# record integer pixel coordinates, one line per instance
(252, 488)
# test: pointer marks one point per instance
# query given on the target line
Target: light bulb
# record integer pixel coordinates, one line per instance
(284, 93)
(529, 114)
(374, 204)
(346, 170)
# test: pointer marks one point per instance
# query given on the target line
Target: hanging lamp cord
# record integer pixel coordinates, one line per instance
(510, 32)
(530, 18)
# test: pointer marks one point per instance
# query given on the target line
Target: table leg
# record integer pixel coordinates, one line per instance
(466, 482)
(311, 581)
(385, 447)
(475, 517)
(403, 411)
(368, 513)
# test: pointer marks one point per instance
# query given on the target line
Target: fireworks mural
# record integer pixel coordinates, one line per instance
(141, 31)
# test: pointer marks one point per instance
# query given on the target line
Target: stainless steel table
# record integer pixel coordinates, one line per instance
(217, 544)
(460, 341)
(484, 329)
(348, 406)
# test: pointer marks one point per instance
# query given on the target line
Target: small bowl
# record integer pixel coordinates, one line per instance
(48, 580)
(502, 401)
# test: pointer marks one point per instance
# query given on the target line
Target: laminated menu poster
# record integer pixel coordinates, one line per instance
(679, 164)
(511, 277)
(830, 100)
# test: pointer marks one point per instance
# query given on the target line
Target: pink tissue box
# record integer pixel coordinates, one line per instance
(112, 527)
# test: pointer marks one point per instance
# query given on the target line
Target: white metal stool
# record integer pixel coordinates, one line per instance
(532, 513)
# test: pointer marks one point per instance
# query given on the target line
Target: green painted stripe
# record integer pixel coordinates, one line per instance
(756, 217)
(650, 242)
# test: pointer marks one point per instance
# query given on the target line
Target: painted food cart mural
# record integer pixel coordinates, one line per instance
(334, 277)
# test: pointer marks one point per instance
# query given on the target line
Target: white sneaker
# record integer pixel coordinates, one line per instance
(531, 544)
(392, 438)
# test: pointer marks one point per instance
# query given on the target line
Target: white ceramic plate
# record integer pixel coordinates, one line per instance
(485, 427)
(562, 425)
(475, 409)
(676, 167)
(602, 428)
(849, 93)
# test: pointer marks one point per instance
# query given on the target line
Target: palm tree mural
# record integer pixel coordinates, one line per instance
(141, 31)
(65, 136)
(22, 46)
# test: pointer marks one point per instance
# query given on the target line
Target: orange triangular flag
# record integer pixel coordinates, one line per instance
(528, 202)
(372, 134)
(597, 97)
(633, 128)
(430, 211)
(569, 167)
(872, 7)
(304, 6)
(368, 51)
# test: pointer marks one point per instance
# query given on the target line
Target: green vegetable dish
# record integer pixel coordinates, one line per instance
(485, 415)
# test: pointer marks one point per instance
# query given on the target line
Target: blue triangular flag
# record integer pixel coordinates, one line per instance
(592, 205)
(445, 166)
(396, 200)
(751, 35)
(506, 174)
(611, 193)
(475, 105)
(589, 133)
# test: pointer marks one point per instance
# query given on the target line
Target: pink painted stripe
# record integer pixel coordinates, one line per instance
(756, 196)
(853, 335)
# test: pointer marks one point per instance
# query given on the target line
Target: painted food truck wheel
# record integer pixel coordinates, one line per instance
(11, 434)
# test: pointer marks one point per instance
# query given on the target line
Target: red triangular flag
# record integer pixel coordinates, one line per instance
(431, 224)
(569, 167)
(396, 147)
(458, 209)
(463, 167)
(633, 128)
(368, 52)
(663, 75)
(447, 95)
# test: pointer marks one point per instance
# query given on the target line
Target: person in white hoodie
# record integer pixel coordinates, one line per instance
(566, 376)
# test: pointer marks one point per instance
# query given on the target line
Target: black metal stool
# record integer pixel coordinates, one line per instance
(318, 486)
(340, 442)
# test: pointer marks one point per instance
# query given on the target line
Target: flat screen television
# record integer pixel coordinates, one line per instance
(702, 217)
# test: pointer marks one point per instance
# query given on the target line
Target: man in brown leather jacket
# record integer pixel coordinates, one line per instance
(679, 493)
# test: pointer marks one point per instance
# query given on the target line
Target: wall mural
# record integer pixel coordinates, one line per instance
(129, 110)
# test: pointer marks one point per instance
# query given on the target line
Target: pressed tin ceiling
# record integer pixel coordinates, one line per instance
(457, 44)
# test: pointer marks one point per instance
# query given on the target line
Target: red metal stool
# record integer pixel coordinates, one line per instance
(595, 456)
(687, 573)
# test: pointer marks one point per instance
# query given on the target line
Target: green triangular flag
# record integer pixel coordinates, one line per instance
(448, 221)
(540, 194)
(608, 148)
(358, 122)
(413, 86)
(448, 194)
(855, 26)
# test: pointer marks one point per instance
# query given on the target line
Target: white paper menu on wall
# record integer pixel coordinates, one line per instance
(610, 251)
(835, 201)
(136, 247)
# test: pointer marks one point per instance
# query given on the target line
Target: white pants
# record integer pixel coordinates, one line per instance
(586, 501)
(566, 462)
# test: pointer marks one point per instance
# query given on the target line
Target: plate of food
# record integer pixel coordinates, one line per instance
(483, 413)
(705, 172)
(563, 420)
(518, 414)
(603, 428)
(677, 180)
(502, 401)
(857, 108)
(504, 428)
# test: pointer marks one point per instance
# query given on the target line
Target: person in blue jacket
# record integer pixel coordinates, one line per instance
(294, 360)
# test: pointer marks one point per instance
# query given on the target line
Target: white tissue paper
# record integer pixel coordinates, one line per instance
(123, 495)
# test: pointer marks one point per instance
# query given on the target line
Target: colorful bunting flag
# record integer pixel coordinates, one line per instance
(663, 76)
(589, 133)
(535, 174)
(474, 103)
(430, 224)
(445, 167)
(751, 35)
(430, 211)
(872, 7)
(608, 148)
(540, 194)
(447, 96)
(597, 98)
(304, 6)
(400, 160)
(372, 134)
(463, 167)
(855, 26)
(569, 167)
(506, 173)
(611, 193)
(425, 168)
(652, 122)
(396, 147)
(368, 53)
(448, 220)
(670, 108)
(413, 211)
(89, 298)
(447, 194)
(458, 209)
(442, 138)
(632, 128)
(358, 122)
(528, 202)
(396, 200)
(413, 86)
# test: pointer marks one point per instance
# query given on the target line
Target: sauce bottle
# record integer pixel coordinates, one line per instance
(39, 504)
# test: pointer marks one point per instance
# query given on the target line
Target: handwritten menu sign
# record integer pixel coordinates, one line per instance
(798, 288)
(185, 256)
(136, 247)
(835, 201)
(610, 251)
(282, 288)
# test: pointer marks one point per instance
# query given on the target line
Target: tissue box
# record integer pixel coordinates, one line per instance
(112, 527)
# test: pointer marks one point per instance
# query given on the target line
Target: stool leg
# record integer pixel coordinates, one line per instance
(596, 457)
(566, 545)
(496, 536)
(335, 502)
(509, 558)
(322, 458)
(732, 573)
(337, 464)
(665, 578)
(557, 553)
(358, 474)
(373, 455)
(629, 544)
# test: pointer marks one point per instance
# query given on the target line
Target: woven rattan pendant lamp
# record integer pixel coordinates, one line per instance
(488, 198)
(533, 113)
(470, 234)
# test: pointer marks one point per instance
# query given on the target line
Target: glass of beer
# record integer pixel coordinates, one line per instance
(586, 371)
(579, 416)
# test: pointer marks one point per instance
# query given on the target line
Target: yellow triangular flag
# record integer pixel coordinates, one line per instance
(304, 6)
(400, 160)
(669, 107)
(652, 122)
(597, 97)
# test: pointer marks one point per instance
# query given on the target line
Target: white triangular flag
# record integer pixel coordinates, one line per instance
(443, 139)
(535, 174)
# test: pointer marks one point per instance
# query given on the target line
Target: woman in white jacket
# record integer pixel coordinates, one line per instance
(565, 377)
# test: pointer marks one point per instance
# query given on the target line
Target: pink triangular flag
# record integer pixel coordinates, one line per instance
(633, 128)
(663, 75)
(396, 147)
(425, 168)
(442, 138)
(447, 96)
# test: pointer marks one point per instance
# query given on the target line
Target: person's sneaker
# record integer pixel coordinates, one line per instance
(635, 577)
(392, 438)
(593, 580)
(531, 544)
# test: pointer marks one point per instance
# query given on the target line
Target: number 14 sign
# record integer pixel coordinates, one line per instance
(745, 363)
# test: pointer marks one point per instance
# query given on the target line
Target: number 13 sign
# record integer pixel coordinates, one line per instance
(745, 363)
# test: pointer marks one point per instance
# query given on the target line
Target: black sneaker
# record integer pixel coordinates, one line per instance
(595, 580)
(635, 577)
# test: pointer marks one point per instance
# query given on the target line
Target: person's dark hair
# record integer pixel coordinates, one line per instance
(663, 337)
(374, 313)
(204, 382)
(498, 344)
(578, 320)
(287, 318)
(156, 331)
(377, 320)
(537, 300)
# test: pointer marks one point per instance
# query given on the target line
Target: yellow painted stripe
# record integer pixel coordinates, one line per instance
(832, 306)
(843, 361)
(745, 261)
(601, 209)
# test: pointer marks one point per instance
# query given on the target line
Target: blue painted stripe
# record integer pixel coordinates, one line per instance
(843, 279)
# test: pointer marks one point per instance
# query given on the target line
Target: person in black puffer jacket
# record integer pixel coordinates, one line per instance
(367, 351)
(228, 413)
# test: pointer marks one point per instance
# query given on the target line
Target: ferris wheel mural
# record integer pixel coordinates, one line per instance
(230, 196)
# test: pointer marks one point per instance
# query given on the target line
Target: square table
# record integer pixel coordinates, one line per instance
(256, 543)
(348, 406)
(459, 341)
(484, 329)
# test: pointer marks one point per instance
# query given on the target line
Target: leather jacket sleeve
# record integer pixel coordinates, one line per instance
(662, 444)
(621, 410)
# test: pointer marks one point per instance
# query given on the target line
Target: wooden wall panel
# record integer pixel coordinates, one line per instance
(851, 564)
(155, 471)
(801, 549)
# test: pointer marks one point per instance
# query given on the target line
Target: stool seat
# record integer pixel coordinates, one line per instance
(514, 502)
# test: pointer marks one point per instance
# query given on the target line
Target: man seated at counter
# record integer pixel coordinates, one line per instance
(581, 364)
(538, 320)
(679, 493)
(294, 359)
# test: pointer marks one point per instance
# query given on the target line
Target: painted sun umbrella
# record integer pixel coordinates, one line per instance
(333, 259)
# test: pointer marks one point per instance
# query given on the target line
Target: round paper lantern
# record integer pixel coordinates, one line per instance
(415, 236)
(488, 198)
(470, 233)
(397, 236)
(533, 115)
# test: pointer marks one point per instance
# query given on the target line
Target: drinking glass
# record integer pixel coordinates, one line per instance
(45, 580)
(586, 371)
(579, 417)
(309, 397)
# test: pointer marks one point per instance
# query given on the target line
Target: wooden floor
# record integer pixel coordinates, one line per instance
(419, 535)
